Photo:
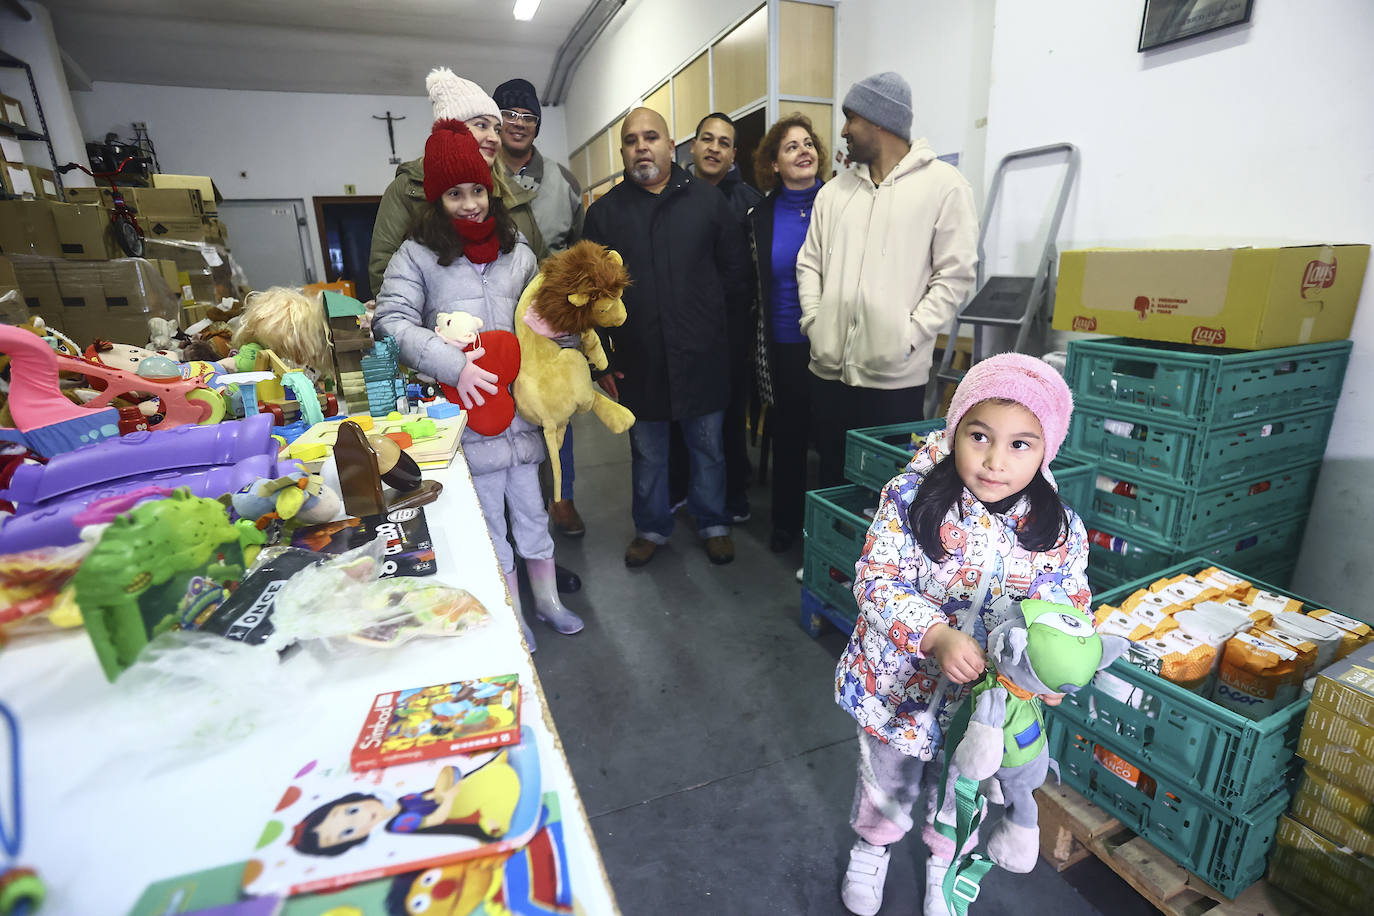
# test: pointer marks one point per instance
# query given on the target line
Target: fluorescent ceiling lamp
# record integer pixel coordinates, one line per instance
(524, 9)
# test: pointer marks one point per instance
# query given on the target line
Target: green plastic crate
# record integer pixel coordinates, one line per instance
(1226, 849)
(1075, 479)
(835, 520)
(832, 581)
(1183, 454)
(1255, 552)
(1277, 570)
(1177, 515)
(876, 454)
(1234, 761)
(1204, 384)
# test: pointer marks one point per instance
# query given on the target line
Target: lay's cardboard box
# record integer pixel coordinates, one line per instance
(1240, 298)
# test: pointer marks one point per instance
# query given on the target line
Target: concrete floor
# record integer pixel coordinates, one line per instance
(699, 722)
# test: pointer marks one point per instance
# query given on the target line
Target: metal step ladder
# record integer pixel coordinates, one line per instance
(1007, 313)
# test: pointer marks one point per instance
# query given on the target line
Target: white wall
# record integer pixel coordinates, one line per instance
(1260, 134)
(645, 42)
(942, 49)
(33, 43)
(276, 144)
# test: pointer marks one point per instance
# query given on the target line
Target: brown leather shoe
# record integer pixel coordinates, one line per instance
(640, 552)
(565, 518)
(721, 549)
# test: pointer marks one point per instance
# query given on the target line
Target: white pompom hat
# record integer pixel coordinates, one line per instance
(456, 98)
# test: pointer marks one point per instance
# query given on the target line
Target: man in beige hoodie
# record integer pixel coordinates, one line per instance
(888, 258)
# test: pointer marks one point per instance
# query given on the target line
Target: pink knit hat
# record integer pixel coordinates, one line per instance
(1028, 381)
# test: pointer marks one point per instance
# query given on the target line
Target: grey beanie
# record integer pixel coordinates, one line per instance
(885, 100)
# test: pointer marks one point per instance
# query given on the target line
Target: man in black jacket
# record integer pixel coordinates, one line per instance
(689, 272)
(713, 160)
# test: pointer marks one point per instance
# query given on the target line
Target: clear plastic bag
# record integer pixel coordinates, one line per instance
(342, 603)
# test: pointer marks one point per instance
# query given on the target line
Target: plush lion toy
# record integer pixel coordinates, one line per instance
(575, 292)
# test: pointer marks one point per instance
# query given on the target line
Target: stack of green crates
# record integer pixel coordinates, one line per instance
(1203, 784)
(837, 518)
(1200, 452)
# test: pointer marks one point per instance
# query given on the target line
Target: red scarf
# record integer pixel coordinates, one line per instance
(481, 245)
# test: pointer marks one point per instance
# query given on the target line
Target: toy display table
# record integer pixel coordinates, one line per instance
(108, 812)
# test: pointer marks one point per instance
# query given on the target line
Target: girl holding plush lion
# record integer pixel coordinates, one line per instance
(464, 256)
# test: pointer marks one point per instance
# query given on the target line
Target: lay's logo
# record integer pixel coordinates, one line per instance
(1084, 323)
(1318, 275)
(1209, 337)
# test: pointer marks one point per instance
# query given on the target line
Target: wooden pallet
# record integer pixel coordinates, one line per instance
(1073, 828)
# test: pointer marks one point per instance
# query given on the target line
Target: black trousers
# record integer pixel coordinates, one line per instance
(734, 435)
(837, 408)
(789, 423)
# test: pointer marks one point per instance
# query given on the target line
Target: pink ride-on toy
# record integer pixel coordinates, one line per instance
(48, 423)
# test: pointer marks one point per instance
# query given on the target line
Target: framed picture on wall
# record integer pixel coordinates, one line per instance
(1167, 21)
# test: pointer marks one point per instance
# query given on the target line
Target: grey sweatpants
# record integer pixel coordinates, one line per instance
(889, 784)
(518, 488)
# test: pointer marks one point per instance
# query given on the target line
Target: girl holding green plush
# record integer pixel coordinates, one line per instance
(969, 529)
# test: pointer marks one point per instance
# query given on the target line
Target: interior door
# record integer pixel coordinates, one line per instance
(268, 238)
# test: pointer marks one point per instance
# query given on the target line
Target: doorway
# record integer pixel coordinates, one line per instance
(749, 131)
(268, 240)
(345, 225)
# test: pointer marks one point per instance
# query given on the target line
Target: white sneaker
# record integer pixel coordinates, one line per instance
(935, 888)
(862, 888)
(800, 573)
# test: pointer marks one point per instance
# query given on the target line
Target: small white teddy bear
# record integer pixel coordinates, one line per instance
(458, 328)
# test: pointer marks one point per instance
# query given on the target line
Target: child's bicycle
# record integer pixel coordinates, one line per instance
(127, 231)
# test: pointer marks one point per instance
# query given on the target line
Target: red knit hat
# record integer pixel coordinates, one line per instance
(452, 158)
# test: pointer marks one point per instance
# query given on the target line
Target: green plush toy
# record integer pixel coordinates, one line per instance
(1052, 649)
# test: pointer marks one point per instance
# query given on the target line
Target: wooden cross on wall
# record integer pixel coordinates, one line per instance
(391, 134)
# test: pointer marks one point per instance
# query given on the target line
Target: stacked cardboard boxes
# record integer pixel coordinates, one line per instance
(112, 300)
(71, 271)
(1325, 844)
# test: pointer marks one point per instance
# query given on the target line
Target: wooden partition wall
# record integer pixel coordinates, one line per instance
(777, 59)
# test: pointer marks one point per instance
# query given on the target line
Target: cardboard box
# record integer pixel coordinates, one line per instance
(1307, 810)
(27, 227)
(1312, 867)
(112, 300)
(207, 271)
(84, 232)
(1341, 746)
(1328, 792)
(170, 275)
(1241, 298)
(17, 180)
(184, 230)
(13, 309)
(1347, 685)
(12, 110)
(11, 152)
(101, 197)
(41, 295)
(44, 183)
(215, 232)
(210, 196)
(164, 203)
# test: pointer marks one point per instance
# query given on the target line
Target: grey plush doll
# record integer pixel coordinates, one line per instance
(1052, 649)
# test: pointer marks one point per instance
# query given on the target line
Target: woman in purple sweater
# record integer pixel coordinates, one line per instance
(785, 166)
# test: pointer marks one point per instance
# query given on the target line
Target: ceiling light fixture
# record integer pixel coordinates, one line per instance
(524, 9)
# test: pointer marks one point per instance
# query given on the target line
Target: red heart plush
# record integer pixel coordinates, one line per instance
(503, 358)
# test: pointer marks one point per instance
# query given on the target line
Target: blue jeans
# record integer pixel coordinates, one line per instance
(565, 458)
(649, 473)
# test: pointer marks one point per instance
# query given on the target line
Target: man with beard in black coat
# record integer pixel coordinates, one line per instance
(689, 270)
